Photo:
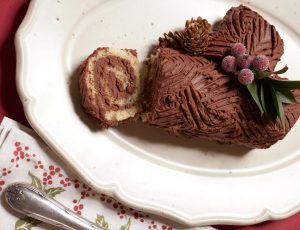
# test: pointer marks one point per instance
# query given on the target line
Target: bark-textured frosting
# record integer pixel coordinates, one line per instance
(243, 25)
(190, 97)
(110, 85)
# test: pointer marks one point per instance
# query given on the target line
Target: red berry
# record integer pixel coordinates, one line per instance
(51, 167)
(229, 64)
(260, 63)
(246, 76)
(244, 61)
(238, 49)
(57, 169)
(52, 173)
(2, 182)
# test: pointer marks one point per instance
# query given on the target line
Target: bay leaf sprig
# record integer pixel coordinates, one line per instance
(271, 93)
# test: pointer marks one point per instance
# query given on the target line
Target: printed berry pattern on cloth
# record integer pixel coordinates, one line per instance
(24, 157)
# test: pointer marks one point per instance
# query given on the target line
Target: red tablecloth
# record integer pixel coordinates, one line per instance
(11, 15)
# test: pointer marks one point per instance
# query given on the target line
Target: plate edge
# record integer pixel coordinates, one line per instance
(115, 189)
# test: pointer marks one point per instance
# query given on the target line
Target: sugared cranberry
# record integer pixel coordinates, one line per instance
(260, 63)
(229, 64)
(244, 61)
(246, 76)
(238, 49)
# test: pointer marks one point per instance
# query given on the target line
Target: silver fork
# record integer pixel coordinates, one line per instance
(34, 203)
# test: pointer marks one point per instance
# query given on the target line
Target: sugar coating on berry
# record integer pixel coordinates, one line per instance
(238, 49)
(229, 64)
(244, 61)
(260, 63)
(246, 76)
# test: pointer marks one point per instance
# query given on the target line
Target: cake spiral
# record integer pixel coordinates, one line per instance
(110, 85)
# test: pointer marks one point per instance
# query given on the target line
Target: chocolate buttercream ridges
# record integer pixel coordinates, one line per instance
(241, 24)
(193, 99)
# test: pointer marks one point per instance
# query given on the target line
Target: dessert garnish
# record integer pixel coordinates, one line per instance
(268, 91)
(193, 39)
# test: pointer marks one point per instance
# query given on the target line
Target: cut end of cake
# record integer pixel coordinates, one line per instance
(110, 85)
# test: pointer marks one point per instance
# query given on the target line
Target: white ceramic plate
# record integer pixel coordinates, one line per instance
(193, 182)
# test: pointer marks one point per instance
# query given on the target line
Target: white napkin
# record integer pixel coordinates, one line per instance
(26, 158)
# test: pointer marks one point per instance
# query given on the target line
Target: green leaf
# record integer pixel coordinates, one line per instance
(286, 84)
(26, 223)
(253, 90)
(54, 191)
(127, 225)
(100, 220)
(36, 182)
(286, 96)
(281, 71)
(259, 75)
(267, 101)
(278, 105)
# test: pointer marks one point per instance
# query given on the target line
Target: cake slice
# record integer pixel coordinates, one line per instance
(188, 96)
(110, 85)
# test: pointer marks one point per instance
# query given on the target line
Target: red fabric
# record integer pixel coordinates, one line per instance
(11, 14)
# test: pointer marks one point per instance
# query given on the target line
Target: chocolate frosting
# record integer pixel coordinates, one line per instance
(190, 97)
(109, 88)
(243, 25)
